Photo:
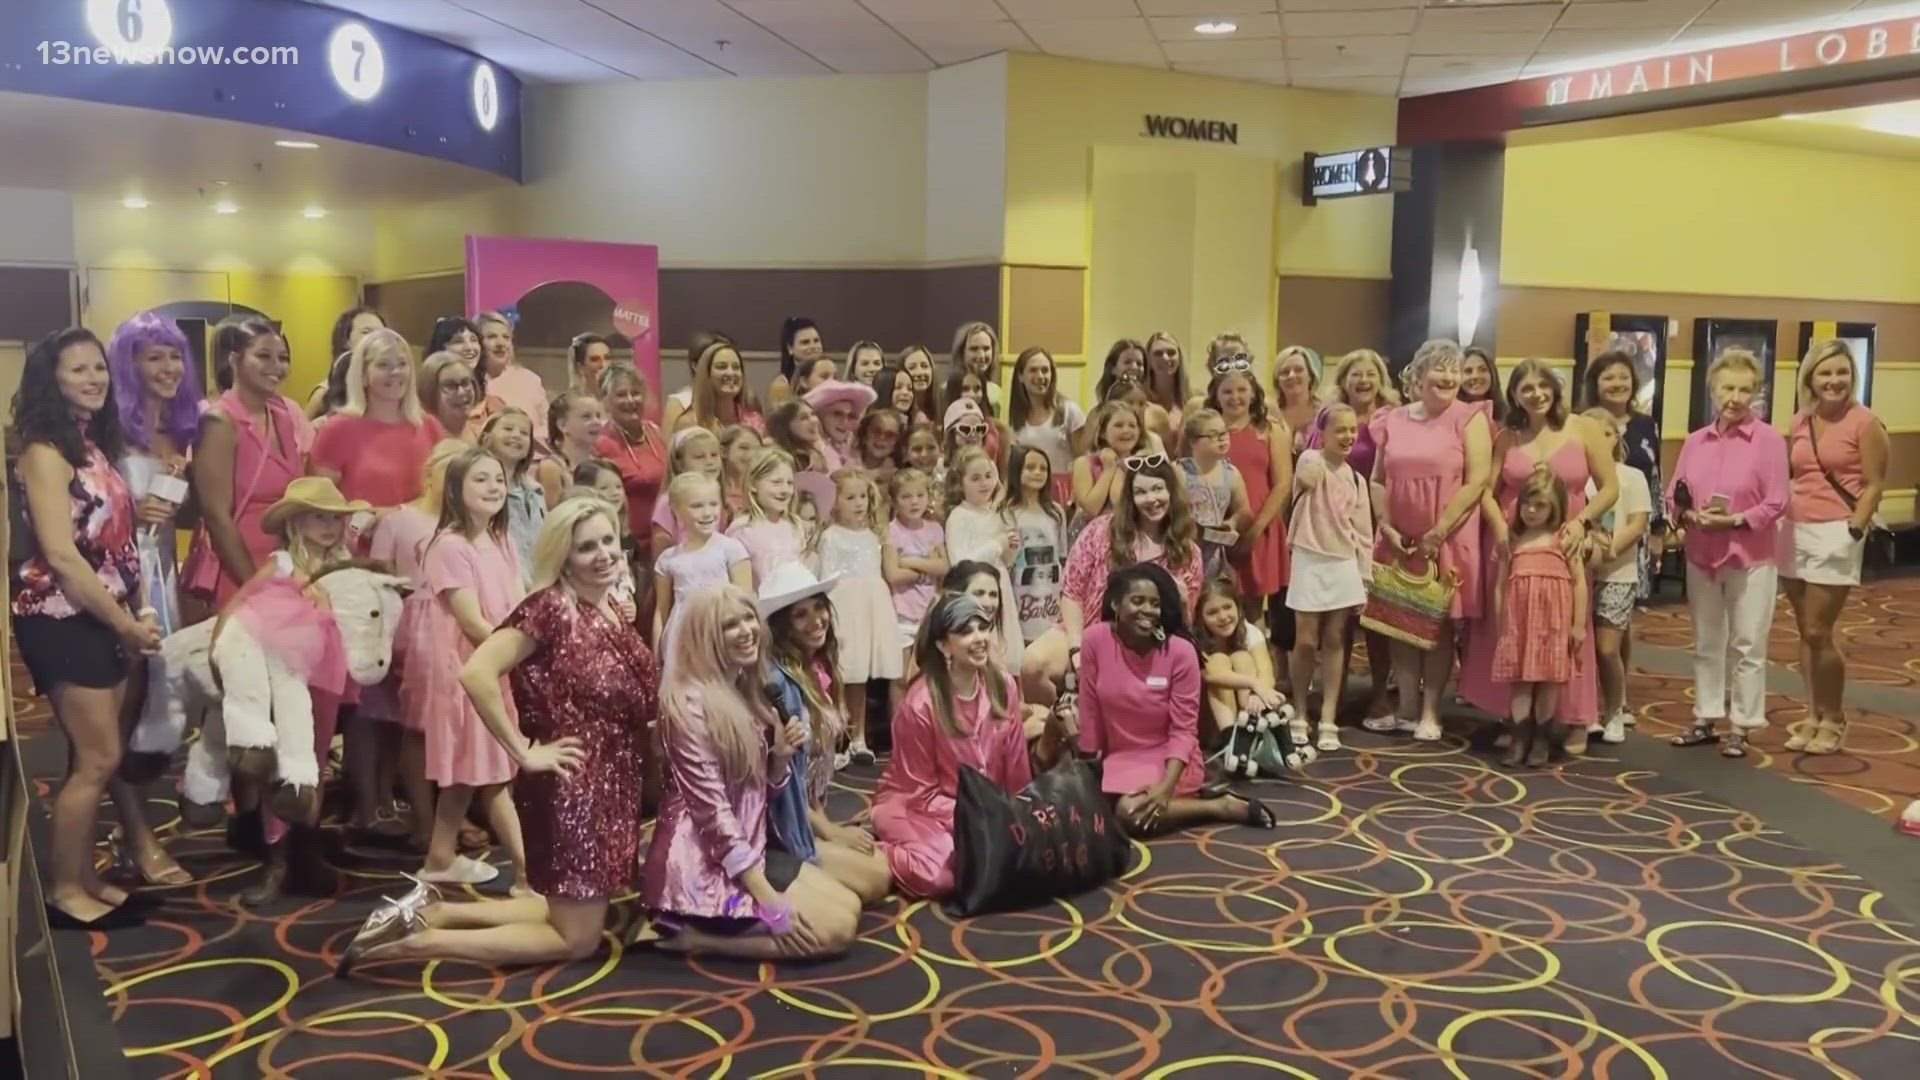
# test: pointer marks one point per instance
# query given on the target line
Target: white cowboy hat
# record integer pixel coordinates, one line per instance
(788, 584)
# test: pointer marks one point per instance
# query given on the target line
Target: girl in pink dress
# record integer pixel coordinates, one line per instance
(1540, 606)
(475, 580)
(1431, 458)
(1261, 450)
(400, 540)
(1538, 434)
(772, 535)
(963, 709)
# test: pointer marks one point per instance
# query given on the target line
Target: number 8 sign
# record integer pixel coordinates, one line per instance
(354, 57)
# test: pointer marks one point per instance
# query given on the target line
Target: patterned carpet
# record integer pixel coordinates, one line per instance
(1419, 913)
(1879, 768)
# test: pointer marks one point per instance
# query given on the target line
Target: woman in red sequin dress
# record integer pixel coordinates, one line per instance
(586, 687)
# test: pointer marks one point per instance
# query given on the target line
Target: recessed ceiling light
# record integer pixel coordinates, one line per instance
(1220, 27)
(314, 212)
(134, 202)
(296, 144)
(224, 207)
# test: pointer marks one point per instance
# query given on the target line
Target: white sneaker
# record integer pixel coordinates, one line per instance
(1614, 732)
(1628, 717)
(464, 870)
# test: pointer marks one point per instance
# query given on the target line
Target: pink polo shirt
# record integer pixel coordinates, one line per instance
(1748, 465)
(1814, 500)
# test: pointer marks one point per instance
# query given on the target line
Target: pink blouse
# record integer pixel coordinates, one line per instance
(1089, 565)
(1747, 465)
(712, 828)
(1331, 515)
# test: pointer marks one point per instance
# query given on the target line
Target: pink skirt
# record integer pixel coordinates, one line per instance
(1535, 645)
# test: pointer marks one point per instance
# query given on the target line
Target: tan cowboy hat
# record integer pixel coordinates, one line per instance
(310, 493)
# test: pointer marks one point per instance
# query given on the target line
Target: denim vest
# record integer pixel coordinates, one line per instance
(787, 824)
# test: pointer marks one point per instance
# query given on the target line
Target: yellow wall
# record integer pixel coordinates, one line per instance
(1067, 122)
(1691, 212)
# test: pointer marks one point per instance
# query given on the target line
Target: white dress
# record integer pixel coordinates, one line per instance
(981, 535)
(862, 605)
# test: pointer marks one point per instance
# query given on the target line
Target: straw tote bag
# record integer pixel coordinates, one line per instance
(1408, 605)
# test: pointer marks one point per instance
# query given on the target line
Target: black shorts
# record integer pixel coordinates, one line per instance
(79, 650)
(781, 868)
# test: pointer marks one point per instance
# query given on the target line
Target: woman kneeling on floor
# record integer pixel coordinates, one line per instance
(585, 685)
(962, 709)
(710, 878)
(1140, 707)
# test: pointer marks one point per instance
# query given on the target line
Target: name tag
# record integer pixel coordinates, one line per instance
(1156, 682)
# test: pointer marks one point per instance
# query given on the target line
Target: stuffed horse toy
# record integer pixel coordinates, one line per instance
(249, 672)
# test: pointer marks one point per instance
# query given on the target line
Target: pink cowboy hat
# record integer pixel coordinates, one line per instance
(834, 391)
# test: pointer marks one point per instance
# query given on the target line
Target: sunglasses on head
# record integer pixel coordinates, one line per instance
(1236, 362)
(1145, 461)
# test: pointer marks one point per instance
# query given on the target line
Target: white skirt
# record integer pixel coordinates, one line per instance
(1821, 553)
(1325, 583)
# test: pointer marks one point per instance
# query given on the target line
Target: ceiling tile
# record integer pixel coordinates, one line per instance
(1432, 43)
(992, 36)
(773, 13)
(661, 62)
(1444, 84)
(897, 58)
(1761, 13)
(1603, 42)
(1347, 48)
(1138, 55)
(1207, 8)
(1128, 33)
(1629, 14)
(895, 11)
(1349, 23)
(1493, 68)
(1022, 10)
(960, 54)
(1291, 6)
(1211, 52)
(1249, 26)
(1531, 18)
(1359, 67)
(1264, 70)
(1384, 87)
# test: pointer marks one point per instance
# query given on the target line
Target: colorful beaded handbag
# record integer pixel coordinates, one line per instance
(1409, 606)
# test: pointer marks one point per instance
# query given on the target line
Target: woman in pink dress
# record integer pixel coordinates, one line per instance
(475, 580)
(1538, 432)
(1140, 710)
(253, 443)
(1261, 448)
(710, 880)
(961, 710)
(1430, 468)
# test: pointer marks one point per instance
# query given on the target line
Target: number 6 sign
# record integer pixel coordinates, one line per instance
(354, 57)
(138, 26)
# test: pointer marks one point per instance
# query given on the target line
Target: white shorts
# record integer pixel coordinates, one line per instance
(1823, 553)
(908, 631)
(1325, 583)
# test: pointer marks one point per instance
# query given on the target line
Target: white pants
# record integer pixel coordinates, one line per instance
(1732, 614)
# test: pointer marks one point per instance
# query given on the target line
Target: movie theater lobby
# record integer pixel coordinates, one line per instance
(1672, 181)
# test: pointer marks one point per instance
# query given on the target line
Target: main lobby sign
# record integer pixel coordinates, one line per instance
(1827, 48)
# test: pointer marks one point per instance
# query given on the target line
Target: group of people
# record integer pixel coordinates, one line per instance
(599, 598)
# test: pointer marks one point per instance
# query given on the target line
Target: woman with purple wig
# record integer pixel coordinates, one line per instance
(158, 396)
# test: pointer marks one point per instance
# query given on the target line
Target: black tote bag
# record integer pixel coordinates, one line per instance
(1055, 838)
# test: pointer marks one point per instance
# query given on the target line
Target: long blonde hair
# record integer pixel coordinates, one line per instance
(308, 561)
(705, 403)
(433, 491)
(702, 680)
